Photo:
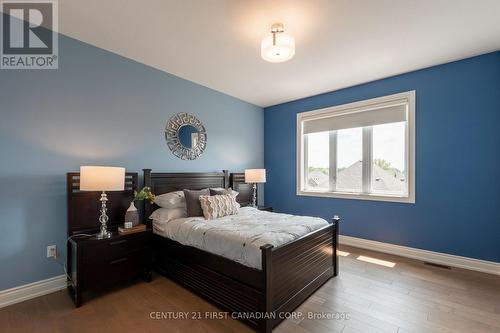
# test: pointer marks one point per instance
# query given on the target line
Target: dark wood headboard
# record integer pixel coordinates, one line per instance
(83, 207)
(161, 183)
(237, 181)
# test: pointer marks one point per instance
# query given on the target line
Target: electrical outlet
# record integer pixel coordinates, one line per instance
(51, 251)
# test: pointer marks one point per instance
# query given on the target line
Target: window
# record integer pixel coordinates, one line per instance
(318, 172)
(362, 150)
(349, 160)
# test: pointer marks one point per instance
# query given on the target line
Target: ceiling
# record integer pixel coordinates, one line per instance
(339, 43)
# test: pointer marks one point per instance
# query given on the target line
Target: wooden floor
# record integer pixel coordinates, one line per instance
(410, 297)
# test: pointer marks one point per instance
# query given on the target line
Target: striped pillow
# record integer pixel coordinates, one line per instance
(218, 206)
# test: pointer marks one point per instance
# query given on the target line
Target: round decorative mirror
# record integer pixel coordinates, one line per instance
(186, 136)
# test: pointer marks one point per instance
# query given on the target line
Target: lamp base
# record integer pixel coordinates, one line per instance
(254, 196)
(103, 218)
(101, 235)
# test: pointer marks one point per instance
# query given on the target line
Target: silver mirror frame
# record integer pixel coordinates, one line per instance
(172, 136)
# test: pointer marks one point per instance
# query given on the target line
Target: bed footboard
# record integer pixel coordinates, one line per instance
(294, 271)
(290, 274)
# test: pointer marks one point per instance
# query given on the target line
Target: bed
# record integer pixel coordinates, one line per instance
(262, 295)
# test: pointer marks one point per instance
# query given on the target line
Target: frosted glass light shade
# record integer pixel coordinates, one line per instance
(281, 50)
(101, 178)
(255, 175)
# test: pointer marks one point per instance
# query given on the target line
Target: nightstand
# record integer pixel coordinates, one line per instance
(99, 263)
(266, 208)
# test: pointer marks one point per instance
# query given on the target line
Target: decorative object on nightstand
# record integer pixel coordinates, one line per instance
(132, 214)
(131, 230)
(101, 178)
(255, 176)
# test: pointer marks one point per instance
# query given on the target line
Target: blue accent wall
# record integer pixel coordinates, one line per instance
(97, 108)
(457, 209)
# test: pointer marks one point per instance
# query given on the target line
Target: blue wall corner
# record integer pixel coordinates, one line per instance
(457, 209)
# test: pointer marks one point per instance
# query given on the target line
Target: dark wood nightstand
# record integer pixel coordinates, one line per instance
(100, 263)
(266, 208)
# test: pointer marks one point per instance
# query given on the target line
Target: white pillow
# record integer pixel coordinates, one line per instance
(168, 214)
(171, 200)
(216, 206)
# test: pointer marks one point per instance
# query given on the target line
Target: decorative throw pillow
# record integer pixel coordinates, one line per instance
(216, 206)
(168, 214)
(193, 201)
(222, 191)
(171, 200)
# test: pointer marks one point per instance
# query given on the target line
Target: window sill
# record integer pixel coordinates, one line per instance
(358, 196)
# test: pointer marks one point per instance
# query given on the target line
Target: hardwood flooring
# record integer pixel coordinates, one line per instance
(409, 297)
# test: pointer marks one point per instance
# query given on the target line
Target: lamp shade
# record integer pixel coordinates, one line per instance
(277, 48)
(101, 178)
(255, 175)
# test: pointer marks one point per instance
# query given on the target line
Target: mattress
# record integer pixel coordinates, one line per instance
(239, 237)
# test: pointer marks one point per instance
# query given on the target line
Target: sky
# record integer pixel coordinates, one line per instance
(388, 144)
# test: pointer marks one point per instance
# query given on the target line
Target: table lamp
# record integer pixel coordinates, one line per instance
(101, 178)
(254, 176)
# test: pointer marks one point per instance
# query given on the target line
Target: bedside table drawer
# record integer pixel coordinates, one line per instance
(105, 273)
(108, 250)
(100, 263)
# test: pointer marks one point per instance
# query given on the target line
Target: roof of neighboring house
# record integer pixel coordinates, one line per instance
(350, 178)
(318, 179)
(391, 180)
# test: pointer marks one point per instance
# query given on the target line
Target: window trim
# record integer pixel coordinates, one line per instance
(350, 108)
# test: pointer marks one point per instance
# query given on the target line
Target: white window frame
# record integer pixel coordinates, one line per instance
(367, 170)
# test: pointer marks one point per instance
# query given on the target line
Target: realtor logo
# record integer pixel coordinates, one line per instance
(29, 34)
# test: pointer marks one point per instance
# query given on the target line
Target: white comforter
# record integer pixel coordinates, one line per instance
(239, 237)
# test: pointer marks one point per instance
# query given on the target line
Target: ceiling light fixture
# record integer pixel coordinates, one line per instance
(279, 46)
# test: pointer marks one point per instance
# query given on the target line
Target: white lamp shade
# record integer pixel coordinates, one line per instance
(101, 178)
(281, 51)
(255, 176)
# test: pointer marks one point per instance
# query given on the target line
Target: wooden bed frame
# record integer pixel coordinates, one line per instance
(261, 298)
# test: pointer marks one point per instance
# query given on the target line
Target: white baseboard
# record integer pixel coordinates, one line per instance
(32, 290)
(424, 255)
(47, 286)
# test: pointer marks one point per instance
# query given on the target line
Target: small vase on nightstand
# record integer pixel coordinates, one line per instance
(132, 215)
